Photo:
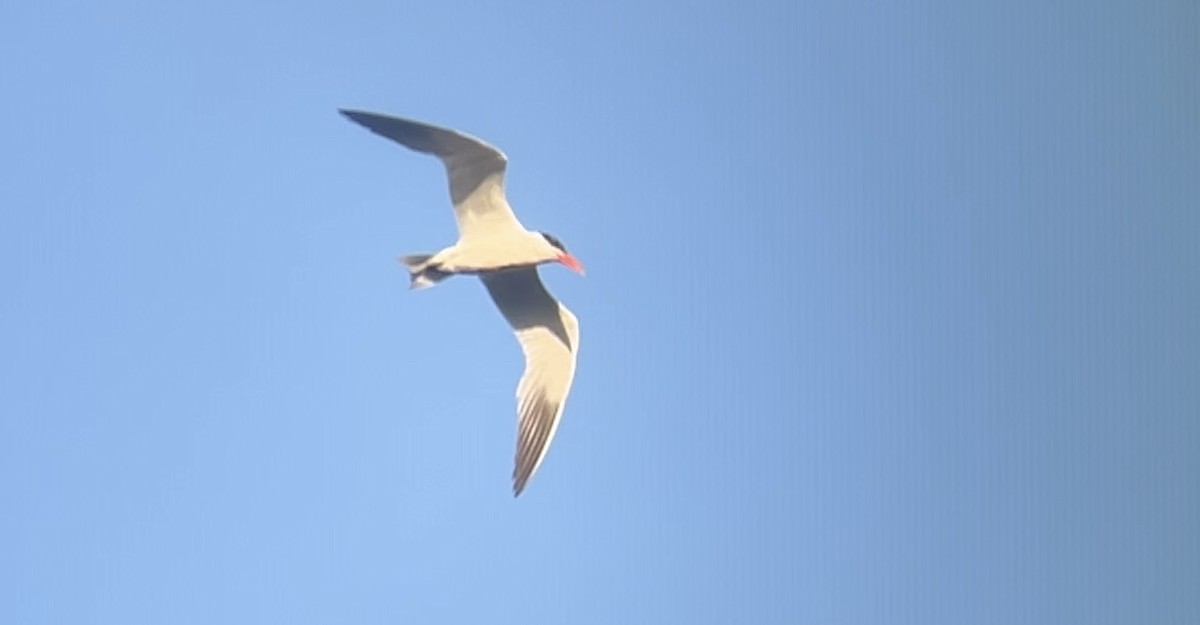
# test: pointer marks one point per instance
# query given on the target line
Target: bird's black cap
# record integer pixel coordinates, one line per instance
(553, 240)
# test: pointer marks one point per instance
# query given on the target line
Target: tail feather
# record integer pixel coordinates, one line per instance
(420, 272)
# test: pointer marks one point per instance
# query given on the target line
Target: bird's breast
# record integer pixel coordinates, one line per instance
(482, 255)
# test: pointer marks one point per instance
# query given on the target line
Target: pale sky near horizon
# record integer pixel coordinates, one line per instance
(890, 314)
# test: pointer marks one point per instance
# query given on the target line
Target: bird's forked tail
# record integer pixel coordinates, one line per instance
(421, 273)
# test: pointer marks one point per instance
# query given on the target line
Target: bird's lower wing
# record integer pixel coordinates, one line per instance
(549, 337)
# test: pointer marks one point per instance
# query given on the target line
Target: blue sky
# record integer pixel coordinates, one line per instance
(890, 314)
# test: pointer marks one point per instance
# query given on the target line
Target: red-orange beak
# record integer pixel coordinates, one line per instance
(572, 262)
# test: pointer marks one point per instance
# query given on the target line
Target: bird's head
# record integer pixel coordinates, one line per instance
(559, 253)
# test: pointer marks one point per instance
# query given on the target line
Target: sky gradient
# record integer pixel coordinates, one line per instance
(890, 314)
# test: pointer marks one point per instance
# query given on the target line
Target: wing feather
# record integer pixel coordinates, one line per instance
(549, 337)
(474, 169)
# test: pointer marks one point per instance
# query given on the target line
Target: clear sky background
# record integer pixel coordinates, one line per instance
(890, 314)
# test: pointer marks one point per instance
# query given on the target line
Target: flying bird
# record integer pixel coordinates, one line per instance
(493, 245)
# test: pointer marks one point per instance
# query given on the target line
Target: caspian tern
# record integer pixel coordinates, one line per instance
(493, 245)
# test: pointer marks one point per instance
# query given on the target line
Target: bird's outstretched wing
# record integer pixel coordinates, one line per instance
(474, 168)
(549, 336)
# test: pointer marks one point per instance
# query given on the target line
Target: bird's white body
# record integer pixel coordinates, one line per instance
(503, 249)
(494, 245)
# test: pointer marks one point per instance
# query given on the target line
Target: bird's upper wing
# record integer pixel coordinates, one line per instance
(474, 168)
(549, 336)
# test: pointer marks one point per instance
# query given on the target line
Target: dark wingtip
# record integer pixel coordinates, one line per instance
(354, 115)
